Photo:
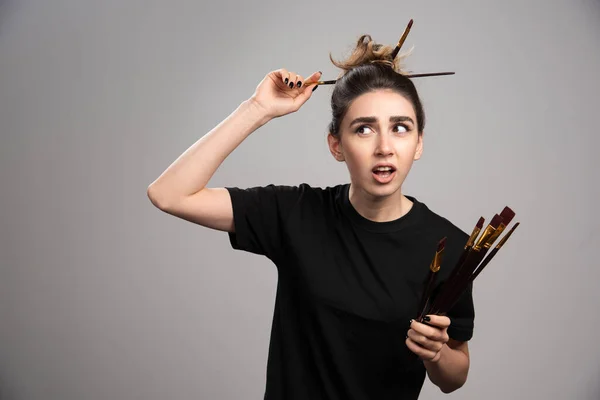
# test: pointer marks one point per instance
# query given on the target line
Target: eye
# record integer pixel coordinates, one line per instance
(359, 130)
(403, 127)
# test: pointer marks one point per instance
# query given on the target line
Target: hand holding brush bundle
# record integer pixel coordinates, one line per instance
(470, 264)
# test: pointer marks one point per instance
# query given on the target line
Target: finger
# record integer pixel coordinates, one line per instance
(431, 332)
(313, 78)
(292, 80)
(424, 341)
(310, 83)
(283, 74)
(420, 351)
(306, 91)
(298, 79)
(437, 320)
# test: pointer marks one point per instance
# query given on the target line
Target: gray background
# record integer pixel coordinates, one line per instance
(102, 296)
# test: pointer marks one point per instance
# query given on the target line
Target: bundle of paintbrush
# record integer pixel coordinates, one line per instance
(470, 264)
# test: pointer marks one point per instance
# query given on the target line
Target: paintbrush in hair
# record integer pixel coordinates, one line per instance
(334, 81)
(393, 56)
(402, 39)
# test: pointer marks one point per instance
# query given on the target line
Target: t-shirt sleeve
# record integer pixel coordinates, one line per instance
(259, 215)
(462, 316)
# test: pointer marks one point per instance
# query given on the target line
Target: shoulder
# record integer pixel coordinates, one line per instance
(441, 224)
(302, 188)
(286, 196)
(299, 189)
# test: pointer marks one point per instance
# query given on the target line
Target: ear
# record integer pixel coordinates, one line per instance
(419, 150)
(335, 147)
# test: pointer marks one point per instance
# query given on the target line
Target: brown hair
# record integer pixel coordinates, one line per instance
(370, 67)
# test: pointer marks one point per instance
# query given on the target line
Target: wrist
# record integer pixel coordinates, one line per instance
(257, 111)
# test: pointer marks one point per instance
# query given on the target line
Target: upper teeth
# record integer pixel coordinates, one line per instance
(383, 168)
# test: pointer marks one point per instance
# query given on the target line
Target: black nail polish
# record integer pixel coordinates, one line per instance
(299, 83)
(426, 318)
(315, 88)
(286, 80)
(291, 85)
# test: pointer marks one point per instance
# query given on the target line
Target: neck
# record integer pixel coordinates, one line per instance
(379, 209)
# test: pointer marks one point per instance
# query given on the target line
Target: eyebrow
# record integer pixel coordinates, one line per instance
(371, 120)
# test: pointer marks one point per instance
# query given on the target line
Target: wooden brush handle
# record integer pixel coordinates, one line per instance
(426, 293)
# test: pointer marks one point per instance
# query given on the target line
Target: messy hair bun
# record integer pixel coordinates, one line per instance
(369, 67)
(368, 51)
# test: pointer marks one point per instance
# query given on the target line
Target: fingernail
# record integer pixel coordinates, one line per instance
(315, 88)
(291, 85)
(299, 83)
(426, 318)
(286, 80)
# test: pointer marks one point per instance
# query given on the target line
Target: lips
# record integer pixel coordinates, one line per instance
(379, 168)
(384, 173)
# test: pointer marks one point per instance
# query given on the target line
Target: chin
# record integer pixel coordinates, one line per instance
(386, 190)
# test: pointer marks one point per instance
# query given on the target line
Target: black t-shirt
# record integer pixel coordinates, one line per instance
(347, 289)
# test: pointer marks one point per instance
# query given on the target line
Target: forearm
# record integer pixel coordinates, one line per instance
(192, 170)
(450, 372)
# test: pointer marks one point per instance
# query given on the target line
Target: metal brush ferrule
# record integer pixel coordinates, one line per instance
(474, 235)
(436, 263)
(485, 237)
(488, 243)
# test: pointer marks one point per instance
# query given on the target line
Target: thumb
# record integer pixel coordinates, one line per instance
(313, 78)
(309, 85)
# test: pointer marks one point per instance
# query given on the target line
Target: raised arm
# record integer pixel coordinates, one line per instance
(181, 189)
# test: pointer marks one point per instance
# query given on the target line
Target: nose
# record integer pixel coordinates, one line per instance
(384, 145)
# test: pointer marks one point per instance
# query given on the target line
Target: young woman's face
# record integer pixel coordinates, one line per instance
(379, 140)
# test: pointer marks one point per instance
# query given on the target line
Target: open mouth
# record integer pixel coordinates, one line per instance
(384, 174)
(384, 171)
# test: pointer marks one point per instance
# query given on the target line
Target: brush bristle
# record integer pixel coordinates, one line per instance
(480, 223)
(441, 244)
(513, 228)
(507, 215)
(496, 221)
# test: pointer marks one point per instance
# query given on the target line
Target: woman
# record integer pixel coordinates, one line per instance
(352, 258)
